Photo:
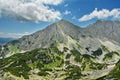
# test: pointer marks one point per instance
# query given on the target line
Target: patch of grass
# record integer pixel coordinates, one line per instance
(76, 54)
(110, 55)
(44, 59)
(42, 73)
(67, 62)
(104, 48)
(88, 64)
(53, 65)
(19, 69)
(116, 72)
(73, 72)
(14, 49)
(68, 56)
(65, 49)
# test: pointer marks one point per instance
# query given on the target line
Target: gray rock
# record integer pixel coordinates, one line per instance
(59, 32)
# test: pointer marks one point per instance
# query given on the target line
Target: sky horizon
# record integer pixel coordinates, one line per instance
(23, 17)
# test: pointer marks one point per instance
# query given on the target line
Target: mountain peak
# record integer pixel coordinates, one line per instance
(64, 21)
(62, 25)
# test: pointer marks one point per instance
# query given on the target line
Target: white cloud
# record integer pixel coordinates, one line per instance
(101, 14)
(0, 14)
(13, 35)
(52, 2)
(1, 33)
(67, 12)
(30, 10)
(66, 5)
(74, 17)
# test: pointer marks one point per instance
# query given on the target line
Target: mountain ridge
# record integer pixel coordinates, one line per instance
(55, 28)
(62, 49)
(65, 32)
(105, 29)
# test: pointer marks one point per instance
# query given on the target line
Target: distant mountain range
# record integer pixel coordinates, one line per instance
(5, 40)
(64, 51)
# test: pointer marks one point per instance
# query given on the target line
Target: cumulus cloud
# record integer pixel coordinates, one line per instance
(67, 12)
(52, 2)
(30, 10)
(13, 35)
(66, 5)
(101, 14)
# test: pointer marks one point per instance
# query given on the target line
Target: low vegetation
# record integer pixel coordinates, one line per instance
(51, 61)
(44, 59)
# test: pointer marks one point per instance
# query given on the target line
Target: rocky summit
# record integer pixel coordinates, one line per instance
(64, 51)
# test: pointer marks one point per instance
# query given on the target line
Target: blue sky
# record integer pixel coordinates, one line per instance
(22, 17)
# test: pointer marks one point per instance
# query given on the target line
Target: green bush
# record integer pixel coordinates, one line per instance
(77, 55)
(68, 56)
(42, 73)
(73, 72)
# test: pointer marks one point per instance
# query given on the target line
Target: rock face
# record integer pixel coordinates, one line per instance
(49, 36)
(105, 29)
(69, 34)
(71, 50)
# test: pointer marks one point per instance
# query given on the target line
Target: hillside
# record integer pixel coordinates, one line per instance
(63, 51)
(105, 29)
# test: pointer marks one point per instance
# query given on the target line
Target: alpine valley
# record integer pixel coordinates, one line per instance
(64, 51)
